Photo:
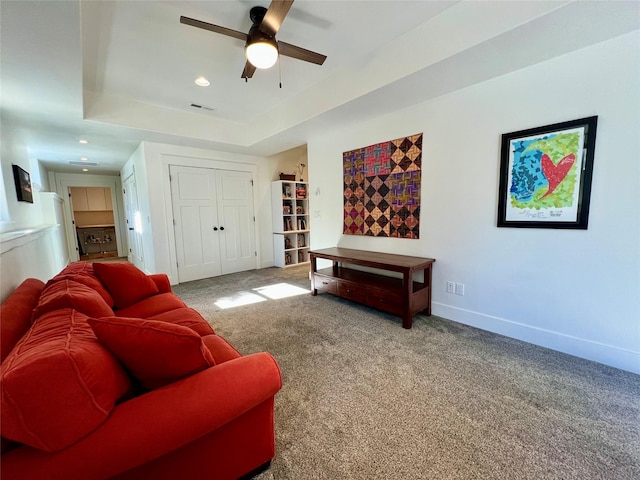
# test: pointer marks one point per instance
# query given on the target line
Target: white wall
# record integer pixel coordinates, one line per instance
(38, 252)
(289, 161)
(152, 162)
(31, 237)
(574, 291)
(13, 151)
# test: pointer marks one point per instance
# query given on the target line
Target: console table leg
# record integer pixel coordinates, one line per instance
(314, 269)
(428, 279)
(407, 286)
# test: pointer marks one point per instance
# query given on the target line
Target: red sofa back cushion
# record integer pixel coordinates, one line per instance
(155, 352)
(82, 272)
(126, 283)
(15, 314)
(59, 383)
(70, 294)
(187, 317)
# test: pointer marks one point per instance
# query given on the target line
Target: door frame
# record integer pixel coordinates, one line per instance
(130, 254)
(63, 181)
(184, 161)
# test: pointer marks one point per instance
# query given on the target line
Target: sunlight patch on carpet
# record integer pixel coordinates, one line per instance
(281, 290)
(269, 292)
(239, 299)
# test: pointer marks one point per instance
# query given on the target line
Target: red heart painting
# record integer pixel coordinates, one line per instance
(556, 173)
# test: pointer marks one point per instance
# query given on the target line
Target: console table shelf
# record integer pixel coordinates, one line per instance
(399, 296)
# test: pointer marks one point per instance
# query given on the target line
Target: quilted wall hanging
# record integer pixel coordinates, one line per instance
(382, 189)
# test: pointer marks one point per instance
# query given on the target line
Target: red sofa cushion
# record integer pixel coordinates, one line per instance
(220, 349)
(151, 306)
(59, 383)
(70, 294)
(82, 272)
(16, 314)
(125, 282)
(155, 352)
(187, 317)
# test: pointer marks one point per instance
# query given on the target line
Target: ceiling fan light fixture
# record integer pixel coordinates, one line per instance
(261, 50)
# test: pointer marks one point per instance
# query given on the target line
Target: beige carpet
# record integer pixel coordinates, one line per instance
(364, 398)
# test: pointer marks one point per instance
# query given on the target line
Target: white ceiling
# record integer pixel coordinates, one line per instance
(121, 72)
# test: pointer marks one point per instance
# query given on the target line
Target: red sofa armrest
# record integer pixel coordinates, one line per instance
(15, 314)
(158, 422)
(162, 282)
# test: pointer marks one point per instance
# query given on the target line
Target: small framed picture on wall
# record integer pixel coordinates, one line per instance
(23, 184)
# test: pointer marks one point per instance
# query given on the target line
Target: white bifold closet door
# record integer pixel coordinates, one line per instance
(214, 221)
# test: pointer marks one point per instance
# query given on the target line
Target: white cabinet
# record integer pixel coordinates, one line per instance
(290, 213)
(79, 199)
(99, 198)
(91, 199)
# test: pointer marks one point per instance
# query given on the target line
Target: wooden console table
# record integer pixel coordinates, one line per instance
(399, 296)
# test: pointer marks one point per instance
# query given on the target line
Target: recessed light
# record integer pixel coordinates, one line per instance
(202, 82)
(84, 159)
(85, 169)
(83, 141)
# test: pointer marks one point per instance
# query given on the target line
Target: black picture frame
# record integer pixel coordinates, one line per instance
(23, 184)
(546, 174)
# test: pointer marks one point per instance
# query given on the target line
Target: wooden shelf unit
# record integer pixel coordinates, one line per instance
(404, 296)
(290, 214)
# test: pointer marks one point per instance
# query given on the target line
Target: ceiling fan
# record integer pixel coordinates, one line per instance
(261, 47)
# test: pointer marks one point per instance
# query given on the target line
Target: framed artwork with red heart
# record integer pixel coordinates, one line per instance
(545, 175)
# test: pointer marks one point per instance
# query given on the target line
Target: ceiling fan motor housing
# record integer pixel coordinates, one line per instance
(255, 35)
(262, 56)
(256, 14)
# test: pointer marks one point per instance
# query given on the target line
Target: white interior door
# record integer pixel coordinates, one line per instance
(197, 232)
(235, 207)
(134, 226)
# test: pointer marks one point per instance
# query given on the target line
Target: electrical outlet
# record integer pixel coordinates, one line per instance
(459, 288)
(450, 286)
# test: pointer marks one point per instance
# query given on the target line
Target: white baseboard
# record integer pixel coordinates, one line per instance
(267, 263)
(598, 352)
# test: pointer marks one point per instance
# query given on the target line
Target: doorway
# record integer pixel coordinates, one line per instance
(214, 222)
(110, 201)
(94, 221)
(133, 221)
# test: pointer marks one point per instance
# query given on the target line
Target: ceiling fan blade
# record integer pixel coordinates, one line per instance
(248, 71)
(275, 16)
(213, 28)
(300, 53)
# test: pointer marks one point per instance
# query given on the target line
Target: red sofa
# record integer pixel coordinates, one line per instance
(107, 374)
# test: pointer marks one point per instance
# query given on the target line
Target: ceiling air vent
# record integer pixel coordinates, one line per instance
(77, 163)
(203, 107)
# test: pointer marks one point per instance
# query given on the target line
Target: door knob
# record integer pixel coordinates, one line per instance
(221, 228)
(131, 228)
(215, 229)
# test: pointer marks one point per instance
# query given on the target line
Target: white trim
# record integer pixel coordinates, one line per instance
(580, 347)
(18, 238)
